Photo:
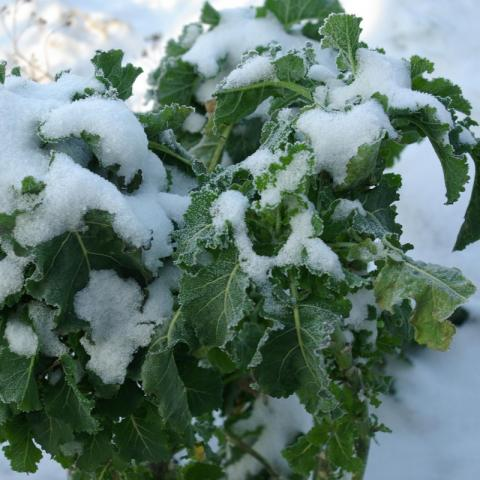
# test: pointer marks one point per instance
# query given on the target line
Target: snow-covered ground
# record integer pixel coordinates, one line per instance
(435, 415)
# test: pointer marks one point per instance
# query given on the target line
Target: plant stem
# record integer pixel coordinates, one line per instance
(217, 154)
(293, 87)
(164, 149)
(237, 441)
(363, 447)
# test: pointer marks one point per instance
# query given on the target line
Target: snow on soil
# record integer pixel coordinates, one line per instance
(434, 414)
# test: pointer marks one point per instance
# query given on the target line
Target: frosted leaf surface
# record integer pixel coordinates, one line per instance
(345, 207)
(301, 248)
(43, 319)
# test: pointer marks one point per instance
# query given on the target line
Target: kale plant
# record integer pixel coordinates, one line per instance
(211, 289)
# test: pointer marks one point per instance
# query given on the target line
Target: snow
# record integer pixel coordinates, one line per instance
(121, 138)
(194, 122)
(254, 69)
(113, 307)
(259, 162)
(336, 136)
(387, 76)
(11, 273)
(434, 415)
(281, 420)
(21, 338)
(321, 73)
(345, 207)
(238, 32)
(358, 318)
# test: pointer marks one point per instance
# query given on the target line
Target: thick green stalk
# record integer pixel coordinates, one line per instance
(217, 154)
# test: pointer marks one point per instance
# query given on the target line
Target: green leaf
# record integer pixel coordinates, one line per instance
(66, 402)
(455, 167)
(245, 343)
(291, 358)
(290, 67)
(198, 231)
(437, 292)
(142, 438)
(109, 71)
(164, 118)
(290, 12)
(161, 380)
(209, 150)
(7, 224)
(3, 68)
(302, 454)
(21, 451)
(419, 66)
(336, 439)
(202, 471)
(210, 16)
(17, 380)
(362, 166)
(50, 433)
(174, 82)
(378, 201)
(63, 264)
(176, 48)
(244, 139)
(96, 451)
(32, 186)
(444, 89)
(342, 32)
(470, 229)
(215, 299)
(439, 87)
(341, 446)
(4, 414)
(233, 104)
(204, 387)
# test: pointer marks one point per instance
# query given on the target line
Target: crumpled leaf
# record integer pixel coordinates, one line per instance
(214, 298)
(437, 292)
(109, 71)
(290, 12)
(342, 32)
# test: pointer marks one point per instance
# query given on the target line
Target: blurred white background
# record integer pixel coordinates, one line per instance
(435, 416)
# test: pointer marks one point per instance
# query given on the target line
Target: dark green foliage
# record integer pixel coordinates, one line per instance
(268, 287)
